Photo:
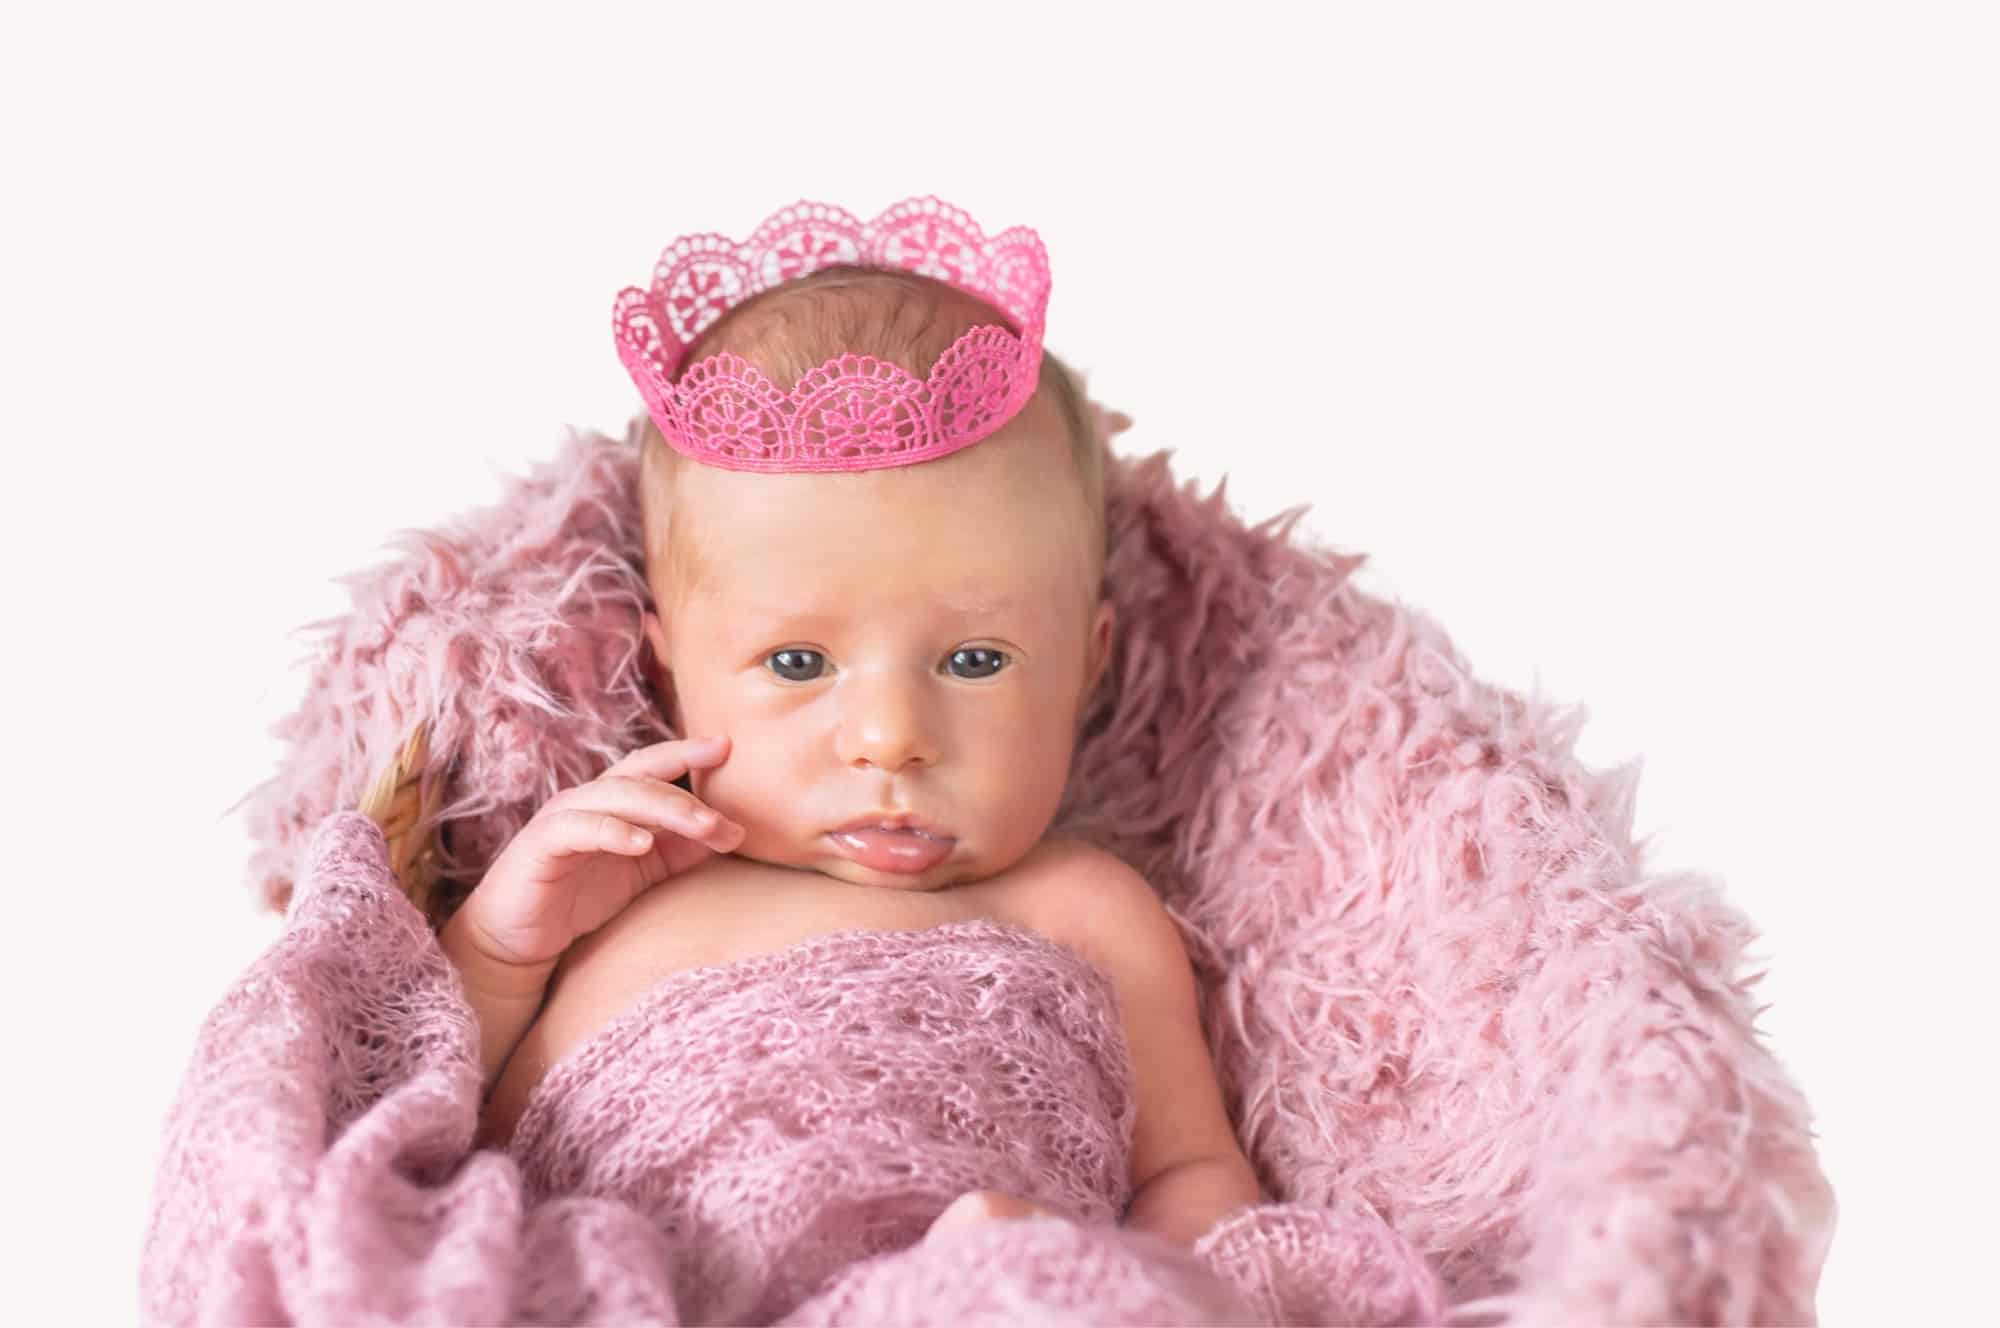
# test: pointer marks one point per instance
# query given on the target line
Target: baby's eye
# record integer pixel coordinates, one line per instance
(985, 662)
(807, 663)
(974, 663)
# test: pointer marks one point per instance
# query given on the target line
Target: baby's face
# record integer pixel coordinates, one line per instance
(914, 640)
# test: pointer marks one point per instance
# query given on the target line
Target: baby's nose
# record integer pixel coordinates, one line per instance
(887, 728)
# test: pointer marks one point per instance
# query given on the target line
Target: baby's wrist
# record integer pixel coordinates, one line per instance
(485, 971)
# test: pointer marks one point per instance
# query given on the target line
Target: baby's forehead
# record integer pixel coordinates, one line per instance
(821, 550)
(1014, 495)
(884, 560)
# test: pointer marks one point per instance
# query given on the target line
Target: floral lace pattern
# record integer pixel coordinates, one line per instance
(854, 412)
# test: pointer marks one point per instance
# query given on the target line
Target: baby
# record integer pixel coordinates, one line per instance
(885, 671)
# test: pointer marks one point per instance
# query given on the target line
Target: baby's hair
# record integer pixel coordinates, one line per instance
(790, 330)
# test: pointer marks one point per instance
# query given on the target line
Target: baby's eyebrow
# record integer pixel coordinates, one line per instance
(981, 604)
(964, 604)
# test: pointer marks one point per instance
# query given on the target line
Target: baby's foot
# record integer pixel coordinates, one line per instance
(976, 1206)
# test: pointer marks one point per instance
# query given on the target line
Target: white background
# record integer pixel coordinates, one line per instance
(1650, 350)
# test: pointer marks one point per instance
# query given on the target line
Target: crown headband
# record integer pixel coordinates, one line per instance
(854, 412)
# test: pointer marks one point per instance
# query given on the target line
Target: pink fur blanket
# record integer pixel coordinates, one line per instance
(1445, 999)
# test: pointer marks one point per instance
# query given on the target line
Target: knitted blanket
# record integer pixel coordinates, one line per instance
(761, 1142)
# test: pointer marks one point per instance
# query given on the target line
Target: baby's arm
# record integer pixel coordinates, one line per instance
(586, 854)
(1188, 1171)
(504, 997)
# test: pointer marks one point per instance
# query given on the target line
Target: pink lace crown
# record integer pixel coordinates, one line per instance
(854, 412)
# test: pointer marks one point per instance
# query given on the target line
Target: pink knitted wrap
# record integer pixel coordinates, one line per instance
(761, 1142)
(788, 1115)
(1452, 1012)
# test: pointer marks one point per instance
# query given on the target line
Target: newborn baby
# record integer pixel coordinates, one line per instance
(884, 673)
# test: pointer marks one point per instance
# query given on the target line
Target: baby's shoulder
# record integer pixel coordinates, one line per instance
(1068, 886)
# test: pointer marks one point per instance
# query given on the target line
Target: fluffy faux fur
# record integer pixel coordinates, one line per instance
(1439, 985)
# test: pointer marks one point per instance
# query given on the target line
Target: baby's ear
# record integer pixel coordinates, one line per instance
(1103, 631)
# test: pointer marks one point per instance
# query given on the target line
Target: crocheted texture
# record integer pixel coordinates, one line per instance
(1442, 991)
(1366, 1272)
(854, 412)
(787, 1115)
(761, 1142)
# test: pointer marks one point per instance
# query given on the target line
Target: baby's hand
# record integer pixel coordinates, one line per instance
(592, 849)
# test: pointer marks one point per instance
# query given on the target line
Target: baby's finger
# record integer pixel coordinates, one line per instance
(654, 803)
(671, 759)
(565, 833)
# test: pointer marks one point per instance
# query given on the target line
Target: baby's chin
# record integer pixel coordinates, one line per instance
(931, 882)
(824, 862)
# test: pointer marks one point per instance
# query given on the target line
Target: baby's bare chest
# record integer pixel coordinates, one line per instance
(731, 909)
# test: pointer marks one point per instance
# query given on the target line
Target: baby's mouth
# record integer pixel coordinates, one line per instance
(906, 852)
